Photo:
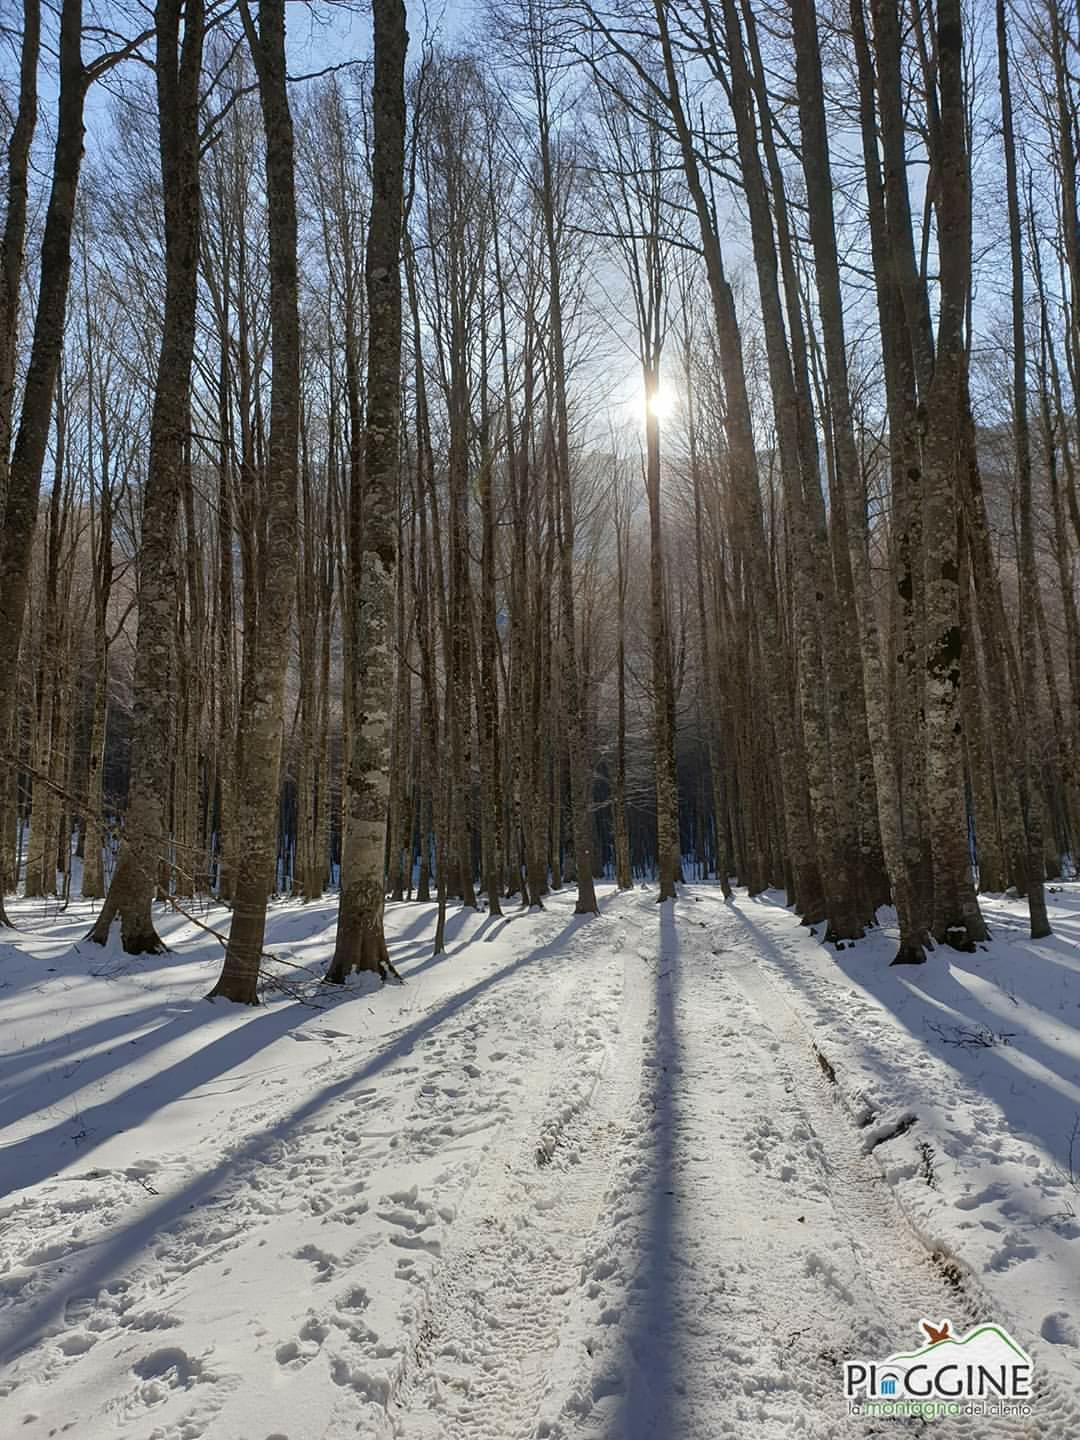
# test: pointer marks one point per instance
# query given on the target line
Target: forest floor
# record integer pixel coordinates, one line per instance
(647, 1176)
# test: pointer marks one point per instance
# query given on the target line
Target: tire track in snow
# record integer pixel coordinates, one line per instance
(903, 1274)
(481, 1352)
(747, 1245)
(704, 1308)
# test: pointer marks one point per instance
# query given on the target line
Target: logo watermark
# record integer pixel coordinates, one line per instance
(984, 1372)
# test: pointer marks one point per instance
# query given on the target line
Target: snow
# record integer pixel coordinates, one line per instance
(578, 1178)
(984, 1051)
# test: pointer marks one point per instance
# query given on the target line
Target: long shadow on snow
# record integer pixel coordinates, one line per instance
(490, 928)
(651, 1340)
(405, 945)
(410, 970)
(995, 1071)
(426, 918)
(59, 958)
(70, 1070)
(63, 1052)
(24, 1329)
(36, 1157)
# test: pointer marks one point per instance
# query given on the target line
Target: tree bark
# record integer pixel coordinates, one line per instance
(624, 877)
(580, 767)
(263, 697)
(1029, 579)
(178, 67)
(956, 919)
(13, 243)
(20, 484)
(361, 943)
(819, 190)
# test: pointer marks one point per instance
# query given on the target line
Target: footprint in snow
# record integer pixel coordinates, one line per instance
(164, 1372)
(981, 1197)
(295, 1354)
(325, 1264)
(1060, 1329)
(1013, 1252)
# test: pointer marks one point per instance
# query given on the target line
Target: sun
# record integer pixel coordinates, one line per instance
(663, 402)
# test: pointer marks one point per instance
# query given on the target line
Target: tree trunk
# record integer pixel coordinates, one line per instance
(263, 697)
(488, 694)
(819, 189)
(1029, 579)
(957, 919)
(579, 761)
(624, 877)
(360, 943)
(667, 788)
(177, 71)
(21, 485)
(13, 242)
(806, 890)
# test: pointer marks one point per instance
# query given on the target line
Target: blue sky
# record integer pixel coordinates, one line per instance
(320, 33)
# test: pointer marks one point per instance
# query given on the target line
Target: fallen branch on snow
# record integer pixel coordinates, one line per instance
(980, 1038)
(275, 982)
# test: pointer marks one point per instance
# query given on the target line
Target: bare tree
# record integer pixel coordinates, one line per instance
(373, 552)
(1029, 578)
(262, 698)
(179, 32)
(20, 481)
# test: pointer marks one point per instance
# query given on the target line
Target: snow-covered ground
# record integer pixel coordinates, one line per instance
(589, 1179)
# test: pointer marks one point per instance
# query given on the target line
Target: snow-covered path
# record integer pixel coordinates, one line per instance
(749, 1243)
(579, 1178)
